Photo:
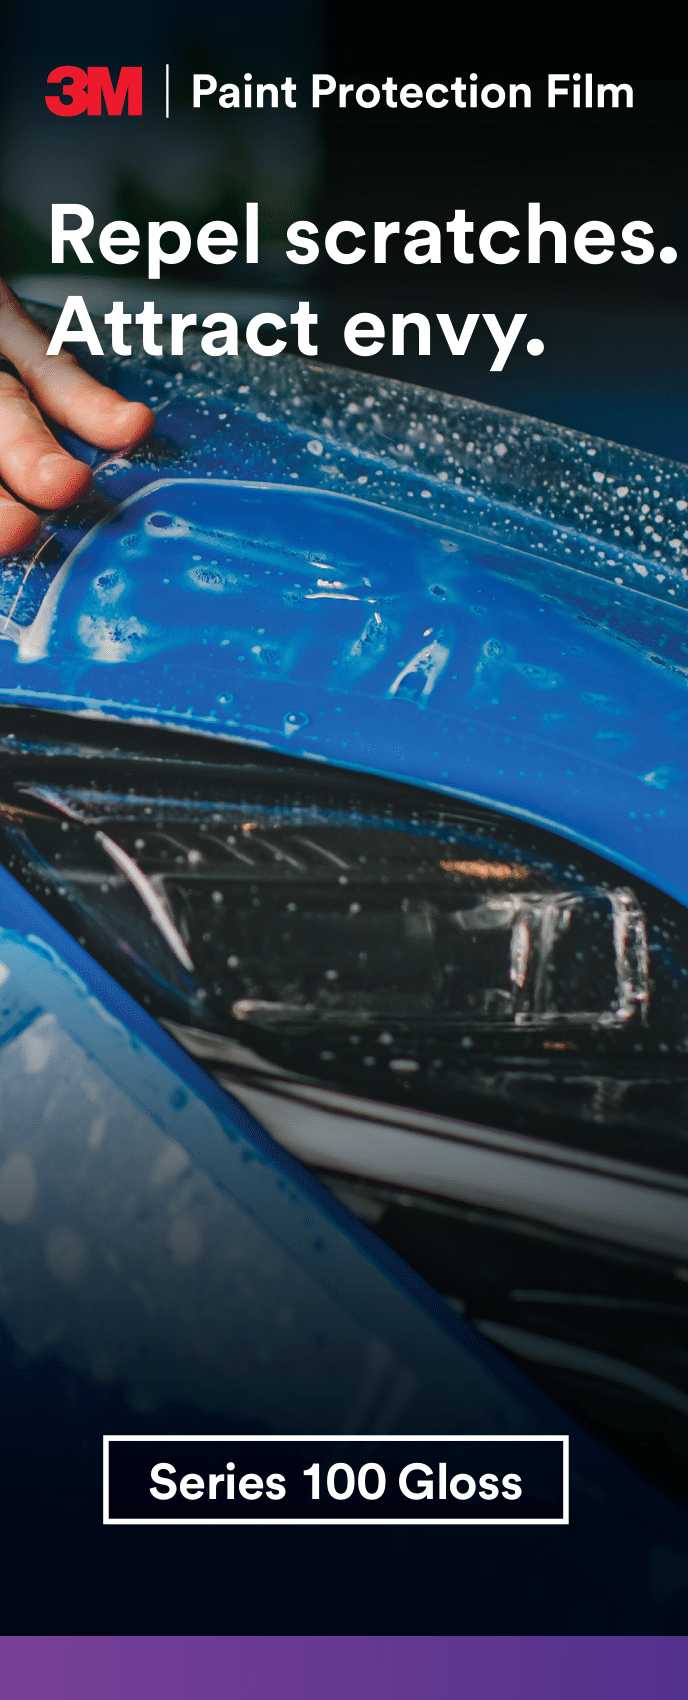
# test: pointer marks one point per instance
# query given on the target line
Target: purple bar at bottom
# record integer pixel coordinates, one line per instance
(337, 1667)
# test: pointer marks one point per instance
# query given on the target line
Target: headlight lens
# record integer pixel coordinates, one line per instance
(363, 933)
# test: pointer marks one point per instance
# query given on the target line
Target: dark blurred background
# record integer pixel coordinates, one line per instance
(614, 359)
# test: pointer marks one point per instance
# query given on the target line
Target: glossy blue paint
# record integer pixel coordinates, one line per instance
(346, 632)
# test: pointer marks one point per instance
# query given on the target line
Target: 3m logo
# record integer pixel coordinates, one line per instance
(86, 91)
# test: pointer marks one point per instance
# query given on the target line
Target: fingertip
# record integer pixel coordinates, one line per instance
(59, 480)
(128, 423)
(145, 418)
(18, 526)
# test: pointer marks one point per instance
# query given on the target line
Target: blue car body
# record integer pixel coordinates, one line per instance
(394, 583)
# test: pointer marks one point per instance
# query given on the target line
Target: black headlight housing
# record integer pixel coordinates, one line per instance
(357, 951)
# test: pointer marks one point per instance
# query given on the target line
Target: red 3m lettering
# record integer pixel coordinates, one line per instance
(74, 98)
(100, 89)
(87, 91)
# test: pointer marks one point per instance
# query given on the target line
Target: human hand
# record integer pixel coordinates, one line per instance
(32, 464)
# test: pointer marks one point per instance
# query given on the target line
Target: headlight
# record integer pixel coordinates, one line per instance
(476, 1032)
(299, 908)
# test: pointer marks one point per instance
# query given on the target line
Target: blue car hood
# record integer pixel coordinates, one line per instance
(382, 577)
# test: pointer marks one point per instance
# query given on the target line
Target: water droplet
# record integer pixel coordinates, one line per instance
(294, 722)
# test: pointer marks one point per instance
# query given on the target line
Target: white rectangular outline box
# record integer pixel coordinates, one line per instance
(335, 1522)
